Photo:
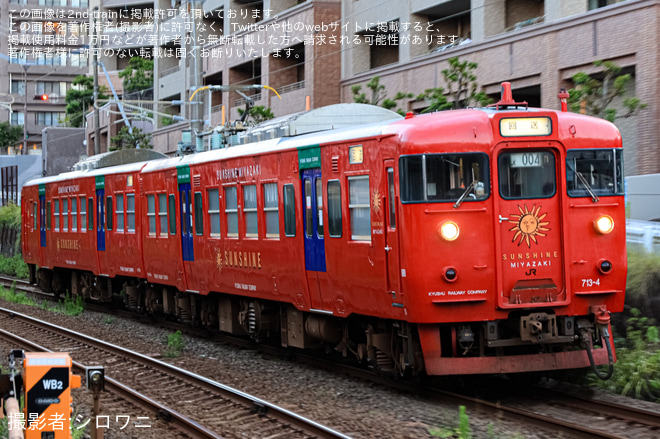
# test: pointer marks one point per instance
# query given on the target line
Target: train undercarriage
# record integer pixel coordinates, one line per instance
(390, 347)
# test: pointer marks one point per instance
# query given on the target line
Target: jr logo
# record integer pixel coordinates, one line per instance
(532, 271)
(52, 384)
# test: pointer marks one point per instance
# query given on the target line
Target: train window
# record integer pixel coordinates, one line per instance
(390, 198)
(250, 210)
(231, 210)
(334, 209)
(597, 170)
(527, 174)
(65, 214)
(90, 213)
(56, 214)
(199, 215)
(443, 178)
(214, 212)
(360, 208)
(151, 214)
(130, 212)
(309, 220)
(74, 214)
(289, 199)
(319, 207)
(119, 212)
(172, 210)
(271, 210)
(83, 215)
(108, 212)
(35, 215)
(162, 214)
(48, 220)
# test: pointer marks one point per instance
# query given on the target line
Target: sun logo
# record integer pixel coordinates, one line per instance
(529, 225)
(377, 201)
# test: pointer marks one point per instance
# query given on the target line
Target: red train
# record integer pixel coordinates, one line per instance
(460, 242)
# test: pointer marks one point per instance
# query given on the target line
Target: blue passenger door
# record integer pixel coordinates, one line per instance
(313, 220)
(42, 219)
(100, 213)
(186, 222)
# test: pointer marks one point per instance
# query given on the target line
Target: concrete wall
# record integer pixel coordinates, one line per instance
(29, 167)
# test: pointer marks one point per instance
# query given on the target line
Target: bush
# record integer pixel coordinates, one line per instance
(14, 266)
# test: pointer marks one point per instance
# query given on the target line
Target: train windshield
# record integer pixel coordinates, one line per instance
(597, 170)
(527, 174)
(444, 177)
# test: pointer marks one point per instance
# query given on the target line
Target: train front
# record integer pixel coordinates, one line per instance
(514, 246)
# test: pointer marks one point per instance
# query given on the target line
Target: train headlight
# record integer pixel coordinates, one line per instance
(449, 231)
(604, 224)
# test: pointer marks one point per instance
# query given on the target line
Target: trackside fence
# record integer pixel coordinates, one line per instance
(643, 236)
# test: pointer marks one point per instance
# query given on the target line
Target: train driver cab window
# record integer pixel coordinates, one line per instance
(527, 174)
(359, 205)
(594, 171)
(289, 198)
(231, 211)
(444, 178)
(151, 214)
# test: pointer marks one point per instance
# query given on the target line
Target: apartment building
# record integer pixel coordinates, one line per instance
(40, 54)
(537, 45)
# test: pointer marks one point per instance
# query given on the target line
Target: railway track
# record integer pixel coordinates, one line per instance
(552, 410)
(205, 408)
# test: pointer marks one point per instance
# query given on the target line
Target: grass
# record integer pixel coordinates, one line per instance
(14, 266)
(71, 306)
(175, 345)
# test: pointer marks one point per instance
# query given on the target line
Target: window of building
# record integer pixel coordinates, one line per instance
(83, 215)
(271, 210)
(48, 118)
(109, 212)
(214, 211)
(162, 214)
(18, 87)
(231, 211)
(57, 215)
(54, 89)
(172, 210)
(130, 212)
(289, 199)
(74, 214)
(250, 210)
(360, 208)
(17, 118)
(119, 212)
(334, 209)
(151, 214)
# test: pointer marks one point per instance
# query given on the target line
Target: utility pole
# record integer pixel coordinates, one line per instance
(25, 115)
(197, 119)
(95, 63)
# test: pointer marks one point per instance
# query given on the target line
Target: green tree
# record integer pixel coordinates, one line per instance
(257, 114)
(9, 134)
(80, 98)
(462, 87)
(596, 97)
(378, 94)
(138, 75)
(126, 140)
